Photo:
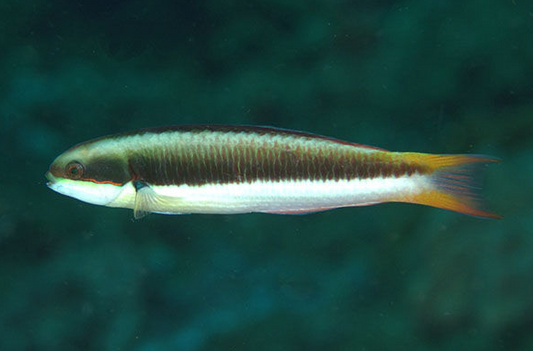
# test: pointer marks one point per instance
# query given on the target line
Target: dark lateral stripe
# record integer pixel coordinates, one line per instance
(203, 163)
(107, 170)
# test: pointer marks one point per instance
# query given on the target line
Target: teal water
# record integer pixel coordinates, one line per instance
(428, 76)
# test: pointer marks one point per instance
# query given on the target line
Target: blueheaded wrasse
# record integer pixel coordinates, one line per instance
(242, 169)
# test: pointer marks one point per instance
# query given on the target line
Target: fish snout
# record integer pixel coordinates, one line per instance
(51, 179)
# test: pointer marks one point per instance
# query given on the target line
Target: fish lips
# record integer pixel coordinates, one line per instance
(51, 179)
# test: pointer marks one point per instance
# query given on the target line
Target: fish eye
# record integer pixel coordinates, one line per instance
(74, 170)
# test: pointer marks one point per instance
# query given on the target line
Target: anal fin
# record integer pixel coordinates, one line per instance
(316, 209)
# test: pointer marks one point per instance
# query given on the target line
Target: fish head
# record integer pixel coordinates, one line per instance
(93, 172)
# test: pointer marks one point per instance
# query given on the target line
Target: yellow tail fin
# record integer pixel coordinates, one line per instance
(455, 182)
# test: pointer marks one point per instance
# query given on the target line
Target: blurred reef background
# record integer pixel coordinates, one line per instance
(429, 76)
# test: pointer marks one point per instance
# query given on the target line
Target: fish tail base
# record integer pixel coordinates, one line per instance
(455, 183)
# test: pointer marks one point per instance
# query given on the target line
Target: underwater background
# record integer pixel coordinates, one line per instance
(427, 76)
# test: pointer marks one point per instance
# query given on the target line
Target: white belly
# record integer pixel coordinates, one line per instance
(277, 197)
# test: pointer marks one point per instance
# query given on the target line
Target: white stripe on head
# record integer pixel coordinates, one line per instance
(93, 193)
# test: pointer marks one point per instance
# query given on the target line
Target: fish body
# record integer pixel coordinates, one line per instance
(242, 169)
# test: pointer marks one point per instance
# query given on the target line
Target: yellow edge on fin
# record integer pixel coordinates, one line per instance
(435, 162)
(450, 202)
(454, 182)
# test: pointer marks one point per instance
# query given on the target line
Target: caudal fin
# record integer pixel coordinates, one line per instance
(455, 183)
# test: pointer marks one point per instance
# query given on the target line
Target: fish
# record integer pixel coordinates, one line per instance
(227, 169)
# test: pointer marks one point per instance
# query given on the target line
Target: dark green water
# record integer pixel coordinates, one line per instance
(431, 76)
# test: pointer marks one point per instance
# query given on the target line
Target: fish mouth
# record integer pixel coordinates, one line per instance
(51, 178)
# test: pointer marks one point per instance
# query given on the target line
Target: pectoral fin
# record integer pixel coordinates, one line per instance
(147, 200)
